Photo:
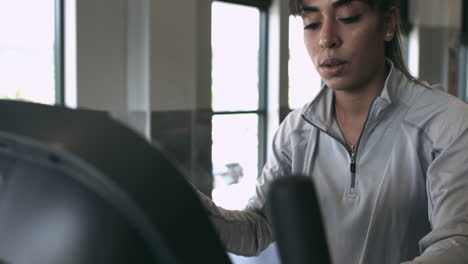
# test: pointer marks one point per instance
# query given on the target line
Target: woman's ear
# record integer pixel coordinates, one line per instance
(390, 23)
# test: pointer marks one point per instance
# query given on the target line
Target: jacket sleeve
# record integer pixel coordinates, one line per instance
(245, 233)
(447, 187)
(248, 232)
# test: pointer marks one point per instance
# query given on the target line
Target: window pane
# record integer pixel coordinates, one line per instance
(235, 45)
(27, 50)
(304, 81)
(235, 158)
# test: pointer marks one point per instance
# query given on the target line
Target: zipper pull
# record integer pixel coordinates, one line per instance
(352, 165)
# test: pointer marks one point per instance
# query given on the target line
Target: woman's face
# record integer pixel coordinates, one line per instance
(345, 40)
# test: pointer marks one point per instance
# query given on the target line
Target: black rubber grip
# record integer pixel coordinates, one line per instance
(297, 222)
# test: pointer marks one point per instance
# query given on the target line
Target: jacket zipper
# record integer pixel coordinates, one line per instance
(354, 149)
(352, 168)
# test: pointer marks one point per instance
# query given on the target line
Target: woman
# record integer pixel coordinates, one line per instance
(387, 154)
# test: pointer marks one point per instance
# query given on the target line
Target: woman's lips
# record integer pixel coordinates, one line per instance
(333, 67)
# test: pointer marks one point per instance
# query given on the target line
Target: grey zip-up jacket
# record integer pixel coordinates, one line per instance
(405, 200)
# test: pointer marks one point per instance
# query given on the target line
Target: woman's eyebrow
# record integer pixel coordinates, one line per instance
(339, 3)
(336, 4)
(308, 9)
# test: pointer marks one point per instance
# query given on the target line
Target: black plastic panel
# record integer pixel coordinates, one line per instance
(111, 175)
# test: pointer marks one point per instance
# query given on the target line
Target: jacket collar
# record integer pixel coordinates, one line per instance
(320, 112)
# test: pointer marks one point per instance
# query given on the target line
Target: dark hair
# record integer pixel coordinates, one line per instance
(392, 48)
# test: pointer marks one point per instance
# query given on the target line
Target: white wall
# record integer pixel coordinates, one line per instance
(101, 37)
(155, 55)
(445, 13)
(119, 43)
(180, 55)
(435, 41)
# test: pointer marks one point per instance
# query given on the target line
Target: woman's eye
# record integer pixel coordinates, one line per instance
(349, 20)
(346, 20)
(312, 26)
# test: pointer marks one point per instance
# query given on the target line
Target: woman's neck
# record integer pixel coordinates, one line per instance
(352, 107)
(356, 102)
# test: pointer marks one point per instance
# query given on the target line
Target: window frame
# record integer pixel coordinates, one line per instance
(463, 59)
(261, 111)
(59, 52)
(463, 69)
(261, 4)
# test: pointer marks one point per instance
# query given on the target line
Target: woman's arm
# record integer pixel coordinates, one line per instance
(248, 232)
(447, 187)
(245, 233)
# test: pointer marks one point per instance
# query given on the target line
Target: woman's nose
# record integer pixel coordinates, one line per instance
(328, 36)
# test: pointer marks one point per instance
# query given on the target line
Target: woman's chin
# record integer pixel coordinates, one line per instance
(337, 85)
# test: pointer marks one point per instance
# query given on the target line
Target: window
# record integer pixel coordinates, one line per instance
(463, 71)
(304, 80)
(238, 95)
(463, 63)
(30, 50)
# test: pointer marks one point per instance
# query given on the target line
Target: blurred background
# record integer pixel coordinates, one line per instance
(207, 81)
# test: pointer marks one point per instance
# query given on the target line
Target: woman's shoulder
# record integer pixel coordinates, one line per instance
(294, 119)
(293, 127)
(436, 112)
(433, 101)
